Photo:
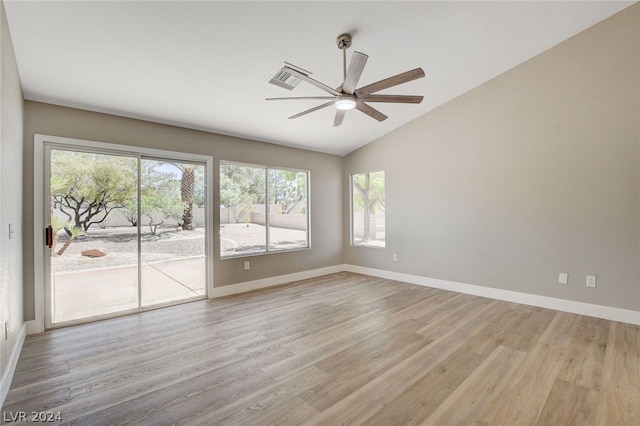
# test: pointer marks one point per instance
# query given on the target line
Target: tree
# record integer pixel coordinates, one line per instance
(287, 188)
(187, 192)
(370, 195)
(240, 188)
(89, 186)
(72, 234)
(130, 212)
(57, 224)
(157, 203)
(159, 197)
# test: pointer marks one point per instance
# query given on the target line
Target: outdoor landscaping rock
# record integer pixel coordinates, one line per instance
(93, 253)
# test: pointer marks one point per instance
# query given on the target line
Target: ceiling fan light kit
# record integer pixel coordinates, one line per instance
(347, 97)
(345, 103)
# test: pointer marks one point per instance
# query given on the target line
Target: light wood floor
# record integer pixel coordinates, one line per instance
(341, 349)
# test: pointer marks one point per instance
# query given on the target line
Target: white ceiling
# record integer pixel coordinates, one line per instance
(205, 65)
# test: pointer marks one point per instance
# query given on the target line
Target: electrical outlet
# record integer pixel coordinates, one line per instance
(247, 265)
(563, 278)
(395, 257)
(591, 281)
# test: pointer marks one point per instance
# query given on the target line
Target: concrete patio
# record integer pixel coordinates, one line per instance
(93, 292)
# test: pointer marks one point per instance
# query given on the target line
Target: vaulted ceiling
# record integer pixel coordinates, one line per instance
(206, 64)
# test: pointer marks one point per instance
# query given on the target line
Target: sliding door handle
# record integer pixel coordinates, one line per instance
(49, 236)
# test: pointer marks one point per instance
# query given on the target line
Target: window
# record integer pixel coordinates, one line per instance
(262, 209)
(367, 209)
(287, 209)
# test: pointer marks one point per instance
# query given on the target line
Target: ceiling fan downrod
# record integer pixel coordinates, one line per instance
(344, 42)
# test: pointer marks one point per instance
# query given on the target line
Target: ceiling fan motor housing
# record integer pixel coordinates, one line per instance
(344, 41)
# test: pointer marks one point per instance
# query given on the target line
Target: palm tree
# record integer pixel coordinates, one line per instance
(187, 193)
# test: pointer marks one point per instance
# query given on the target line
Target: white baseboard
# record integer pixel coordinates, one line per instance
(588, 309)
(7, 376)
(35, 327)
(571, 306)
(228, 290)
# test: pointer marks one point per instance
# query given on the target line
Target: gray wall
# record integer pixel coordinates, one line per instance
(534, 173)
(325, 171)
(531, 174)
(11, 116)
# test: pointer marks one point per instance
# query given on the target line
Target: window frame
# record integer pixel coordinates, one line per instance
(267, 195)
(352, 242)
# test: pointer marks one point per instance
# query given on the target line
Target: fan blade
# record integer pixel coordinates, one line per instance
(370, 111)
(311, 81)
(356, 66)
(390, 82)
(339, 117)
(301, 97)
(402, 99)
(311, 110)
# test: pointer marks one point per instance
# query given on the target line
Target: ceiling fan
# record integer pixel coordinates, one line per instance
(347, 96)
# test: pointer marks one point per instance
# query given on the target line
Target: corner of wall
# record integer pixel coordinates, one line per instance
(12, 325)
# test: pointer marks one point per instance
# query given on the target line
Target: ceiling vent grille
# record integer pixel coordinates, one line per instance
(284, 79)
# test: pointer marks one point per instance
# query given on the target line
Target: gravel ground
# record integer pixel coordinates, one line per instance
(241, 237)
(121, 246)
(120, 243)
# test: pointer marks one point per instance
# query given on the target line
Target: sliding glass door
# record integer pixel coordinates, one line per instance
(172, 235)
(125, 232)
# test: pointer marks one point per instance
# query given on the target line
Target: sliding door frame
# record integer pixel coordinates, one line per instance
(42, 320)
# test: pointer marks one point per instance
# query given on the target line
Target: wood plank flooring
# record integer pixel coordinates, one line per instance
(340, 349)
